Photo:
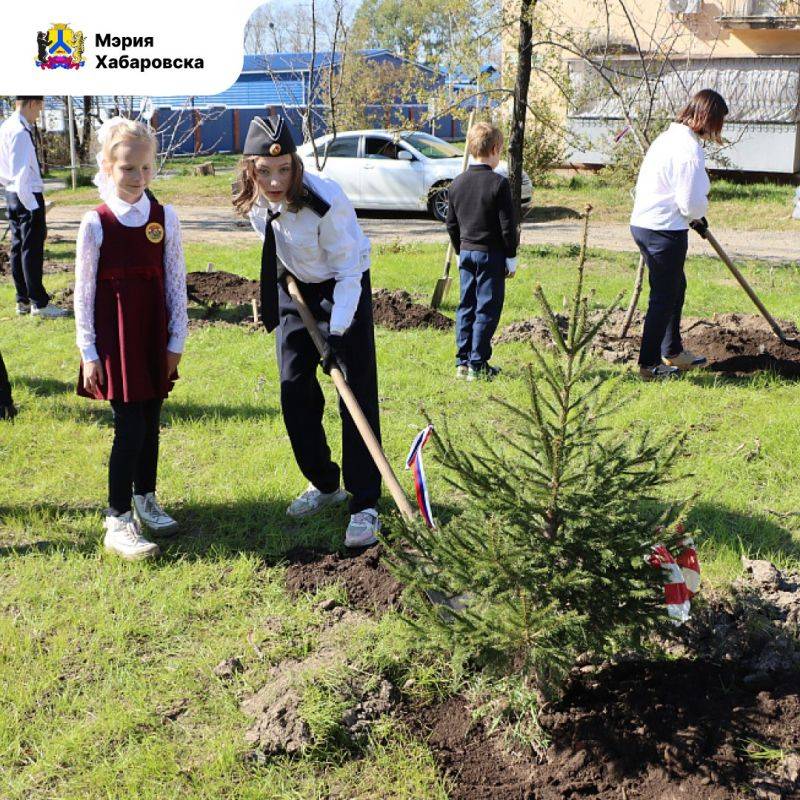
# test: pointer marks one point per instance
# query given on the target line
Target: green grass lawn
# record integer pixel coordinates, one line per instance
(741, 206)
(106, 682)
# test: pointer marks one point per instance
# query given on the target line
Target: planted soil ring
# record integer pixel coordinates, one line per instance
(369, 585)
(734, 344)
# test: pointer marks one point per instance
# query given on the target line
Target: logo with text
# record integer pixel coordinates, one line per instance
(60, 47)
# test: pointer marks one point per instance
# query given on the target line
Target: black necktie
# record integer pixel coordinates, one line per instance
(35, 150)
(269, 276)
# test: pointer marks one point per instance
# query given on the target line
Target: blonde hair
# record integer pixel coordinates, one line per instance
(483, 138)
(246, 191)
(125, 130)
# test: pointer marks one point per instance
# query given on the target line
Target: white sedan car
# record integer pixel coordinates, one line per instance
(381, 169)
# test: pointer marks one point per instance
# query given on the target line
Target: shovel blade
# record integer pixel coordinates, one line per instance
(439, 293)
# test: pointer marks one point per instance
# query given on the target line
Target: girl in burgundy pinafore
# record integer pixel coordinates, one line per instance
(131, 324)
(130, 311)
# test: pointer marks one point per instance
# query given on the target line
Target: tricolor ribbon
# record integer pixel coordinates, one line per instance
(681, 578)
(414, 463)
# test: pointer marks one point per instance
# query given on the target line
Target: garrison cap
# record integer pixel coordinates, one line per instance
(269, 136)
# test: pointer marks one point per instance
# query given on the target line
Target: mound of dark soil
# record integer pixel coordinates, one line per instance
(368, 583)
(742, 343)
(735, 344)
(397, 311)
(220, 289)
(49, 267)
(394, 310)
(645, 730)
(687, 727)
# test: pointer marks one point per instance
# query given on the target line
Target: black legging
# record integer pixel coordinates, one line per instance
(5, 386)
(133, 465)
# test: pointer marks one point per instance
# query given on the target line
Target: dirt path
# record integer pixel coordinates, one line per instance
(216, 225)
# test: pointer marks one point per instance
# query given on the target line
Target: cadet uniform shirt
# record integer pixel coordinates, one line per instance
(317, 248)
(19, 167)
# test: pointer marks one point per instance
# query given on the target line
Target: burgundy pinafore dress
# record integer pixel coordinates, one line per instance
(130, 310)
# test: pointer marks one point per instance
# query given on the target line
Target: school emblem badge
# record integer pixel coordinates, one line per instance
(60, 47)
(154, 232)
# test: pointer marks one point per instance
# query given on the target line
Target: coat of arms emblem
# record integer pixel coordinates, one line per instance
(60, 48)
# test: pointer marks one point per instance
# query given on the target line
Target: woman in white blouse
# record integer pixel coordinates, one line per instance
(671, 192)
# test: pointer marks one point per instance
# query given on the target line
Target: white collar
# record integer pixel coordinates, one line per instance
(120, 207)
(265, 206)
(686, 129)
(25, 124)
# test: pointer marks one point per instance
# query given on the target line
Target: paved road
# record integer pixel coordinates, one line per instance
(217, 225)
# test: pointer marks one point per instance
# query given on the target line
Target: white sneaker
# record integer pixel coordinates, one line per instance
(150, 514)
(23, 309)
(362, 529)
(313, 500)
(124, 538)
(49, 312)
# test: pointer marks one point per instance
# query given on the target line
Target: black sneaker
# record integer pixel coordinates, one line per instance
(8, 412)
(660, 372)
(485, 373)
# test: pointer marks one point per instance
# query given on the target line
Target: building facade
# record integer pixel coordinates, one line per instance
(657, 53)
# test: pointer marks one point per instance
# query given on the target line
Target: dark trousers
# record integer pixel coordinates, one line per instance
(665, 255)
(483, 290)
(133, 466)
(302, 400)
(5, 386)
(28, 232)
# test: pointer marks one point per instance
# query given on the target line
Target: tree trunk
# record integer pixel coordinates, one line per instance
(86, 137)
(521, 84)
(637, 290)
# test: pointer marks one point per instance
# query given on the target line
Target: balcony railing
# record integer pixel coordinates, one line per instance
(760, 14)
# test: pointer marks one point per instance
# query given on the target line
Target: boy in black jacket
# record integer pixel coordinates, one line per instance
(483, 229)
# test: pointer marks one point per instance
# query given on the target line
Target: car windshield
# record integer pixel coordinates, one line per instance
(431, 147)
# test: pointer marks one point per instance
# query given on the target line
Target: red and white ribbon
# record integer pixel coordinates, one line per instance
(676, 594)
(690, 566)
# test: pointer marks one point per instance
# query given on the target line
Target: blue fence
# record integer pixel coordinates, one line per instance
(188, 132)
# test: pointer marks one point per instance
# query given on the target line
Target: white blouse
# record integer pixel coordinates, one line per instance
(315, 249)
(19, 167)
(87, 257)
(672, 188)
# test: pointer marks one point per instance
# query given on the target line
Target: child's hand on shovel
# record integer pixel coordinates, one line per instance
(334, 348)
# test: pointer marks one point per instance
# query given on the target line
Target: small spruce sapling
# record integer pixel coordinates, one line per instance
(547, 559)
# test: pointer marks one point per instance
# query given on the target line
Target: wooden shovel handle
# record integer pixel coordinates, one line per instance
(349, 399)
(745, 285)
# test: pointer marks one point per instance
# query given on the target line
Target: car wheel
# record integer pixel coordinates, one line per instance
(438, 201)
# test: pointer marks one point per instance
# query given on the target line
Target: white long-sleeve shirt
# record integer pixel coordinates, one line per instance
(673, 184)
(317, 248)
(87, 257)
(19, 169)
